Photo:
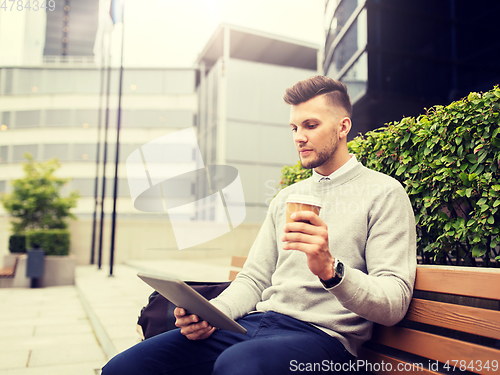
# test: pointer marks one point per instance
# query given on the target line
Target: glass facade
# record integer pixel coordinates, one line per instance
(38, 81)
(345, 44)
(88, 118)
(399, 57)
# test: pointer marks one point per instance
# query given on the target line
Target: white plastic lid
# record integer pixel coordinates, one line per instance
(304, 199)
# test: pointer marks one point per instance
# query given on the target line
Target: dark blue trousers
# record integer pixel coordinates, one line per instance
(274, 344)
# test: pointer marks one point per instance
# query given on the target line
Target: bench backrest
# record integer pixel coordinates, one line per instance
(453, 322)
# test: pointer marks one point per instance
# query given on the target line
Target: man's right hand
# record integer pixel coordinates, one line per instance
(191, 326)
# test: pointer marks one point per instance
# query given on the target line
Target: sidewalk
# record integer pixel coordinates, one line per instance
(76, 329)
(113, 303)
(46, 331)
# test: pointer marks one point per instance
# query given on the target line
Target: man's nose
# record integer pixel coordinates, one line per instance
(300, 136)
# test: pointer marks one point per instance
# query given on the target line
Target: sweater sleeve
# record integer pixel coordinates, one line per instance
(245, 291)
(384, 293)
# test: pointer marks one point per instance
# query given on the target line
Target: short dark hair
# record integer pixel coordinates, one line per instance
(314, 86)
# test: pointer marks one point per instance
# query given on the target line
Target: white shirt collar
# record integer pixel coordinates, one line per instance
(343, 169)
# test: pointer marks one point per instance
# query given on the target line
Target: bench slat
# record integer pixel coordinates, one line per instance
(434, 347)
(373, 358)
(232, 275)
(457, 317)
(237, 261)
(7, 272)
(470, 282)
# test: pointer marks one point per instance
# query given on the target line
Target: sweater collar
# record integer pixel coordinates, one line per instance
(351, 163)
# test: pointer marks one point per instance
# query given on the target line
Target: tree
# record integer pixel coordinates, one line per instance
(35, 202)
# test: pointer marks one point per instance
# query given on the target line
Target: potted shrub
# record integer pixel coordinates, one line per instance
(39, 215)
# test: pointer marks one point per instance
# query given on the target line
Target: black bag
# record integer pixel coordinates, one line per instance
(158, 315)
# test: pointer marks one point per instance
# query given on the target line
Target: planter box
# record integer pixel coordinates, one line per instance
(58, 270)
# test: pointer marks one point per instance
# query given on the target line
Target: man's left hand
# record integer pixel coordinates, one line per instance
(309, 234)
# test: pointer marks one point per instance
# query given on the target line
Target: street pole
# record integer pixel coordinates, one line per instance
(98, 153)
(117, 156)
(105, 157)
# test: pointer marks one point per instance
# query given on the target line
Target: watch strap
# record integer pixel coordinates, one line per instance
(338, 273)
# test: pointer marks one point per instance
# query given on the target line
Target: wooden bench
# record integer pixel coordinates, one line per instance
(9, 272)
(452, 326)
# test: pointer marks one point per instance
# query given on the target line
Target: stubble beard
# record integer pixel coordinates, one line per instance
(323, 156)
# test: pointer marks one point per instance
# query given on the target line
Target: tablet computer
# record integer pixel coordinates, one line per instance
(181, 294)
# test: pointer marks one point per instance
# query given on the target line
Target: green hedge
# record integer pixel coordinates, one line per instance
(17, 243)
(53, 241)
(448, 160)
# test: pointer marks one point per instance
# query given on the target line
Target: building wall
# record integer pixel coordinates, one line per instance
(255, 123)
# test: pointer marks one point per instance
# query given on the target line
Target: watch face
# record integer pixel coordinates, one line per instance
(339, 270)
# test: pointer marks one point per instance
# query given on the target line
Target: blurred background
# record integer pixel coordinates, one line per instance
(220, 66)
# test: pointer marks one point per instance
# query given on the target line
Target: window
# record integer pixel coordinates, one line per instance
(85, 186)
(87, 117)
(58, 117)
(3, 186)
(3, 154)
(27, 81)
(84, 152)
(59, 151)
(6, 119)
(27, 119)
(20, 150)
(356, 78)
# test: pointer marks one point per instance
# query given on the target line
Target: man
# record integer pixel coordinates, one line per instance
(310, 289)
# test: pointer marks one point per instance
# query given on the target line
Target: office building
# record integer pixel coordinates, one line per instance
(242, 119)
(398, 57)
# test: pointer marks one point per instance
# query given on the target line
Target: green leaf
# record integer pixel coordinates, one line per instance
(471, 158)
(478, 251)
(481, 201)
(464, 177)
(491, 220)
(400, 170)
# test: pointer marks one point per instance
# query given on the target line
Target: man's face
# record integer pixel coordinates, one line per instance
(316, 127)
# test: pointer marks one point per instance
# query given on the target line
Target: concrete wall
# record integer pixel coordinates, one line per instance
(145, 240)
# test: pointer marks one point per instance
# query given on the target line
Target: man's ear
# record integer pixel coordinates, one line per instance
(345, 127)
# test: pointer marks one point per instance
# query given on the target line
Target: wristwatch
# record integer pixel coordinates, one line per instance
(338, 274)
